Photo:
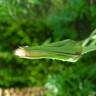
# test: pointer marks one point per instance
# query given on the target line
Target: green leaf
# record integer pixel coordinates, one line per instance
(67, 50)
(89, 44)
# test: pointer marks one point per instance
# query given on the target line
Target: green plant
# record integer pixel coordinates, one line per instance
(66, 50)
(24, 22)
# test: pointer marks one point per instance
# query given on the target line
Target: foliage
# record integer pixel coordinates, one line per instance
(59, 50)
(73, 81)
(52, 20)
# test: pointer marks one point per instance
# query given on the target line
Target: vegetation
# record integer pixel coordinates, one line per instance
(33, 22)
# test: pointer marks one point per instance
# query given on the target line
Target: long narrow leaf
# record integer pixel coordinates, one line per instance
(66, 50)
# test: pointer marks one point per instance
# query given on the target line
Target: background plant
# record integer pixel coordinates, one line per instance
(25, 22)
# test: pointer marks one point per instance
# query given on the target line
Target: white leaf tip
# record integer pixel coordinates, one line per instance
(20, 52)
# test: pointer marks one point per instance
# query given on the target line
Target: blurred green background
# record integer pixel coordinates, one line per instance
(33, 22)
